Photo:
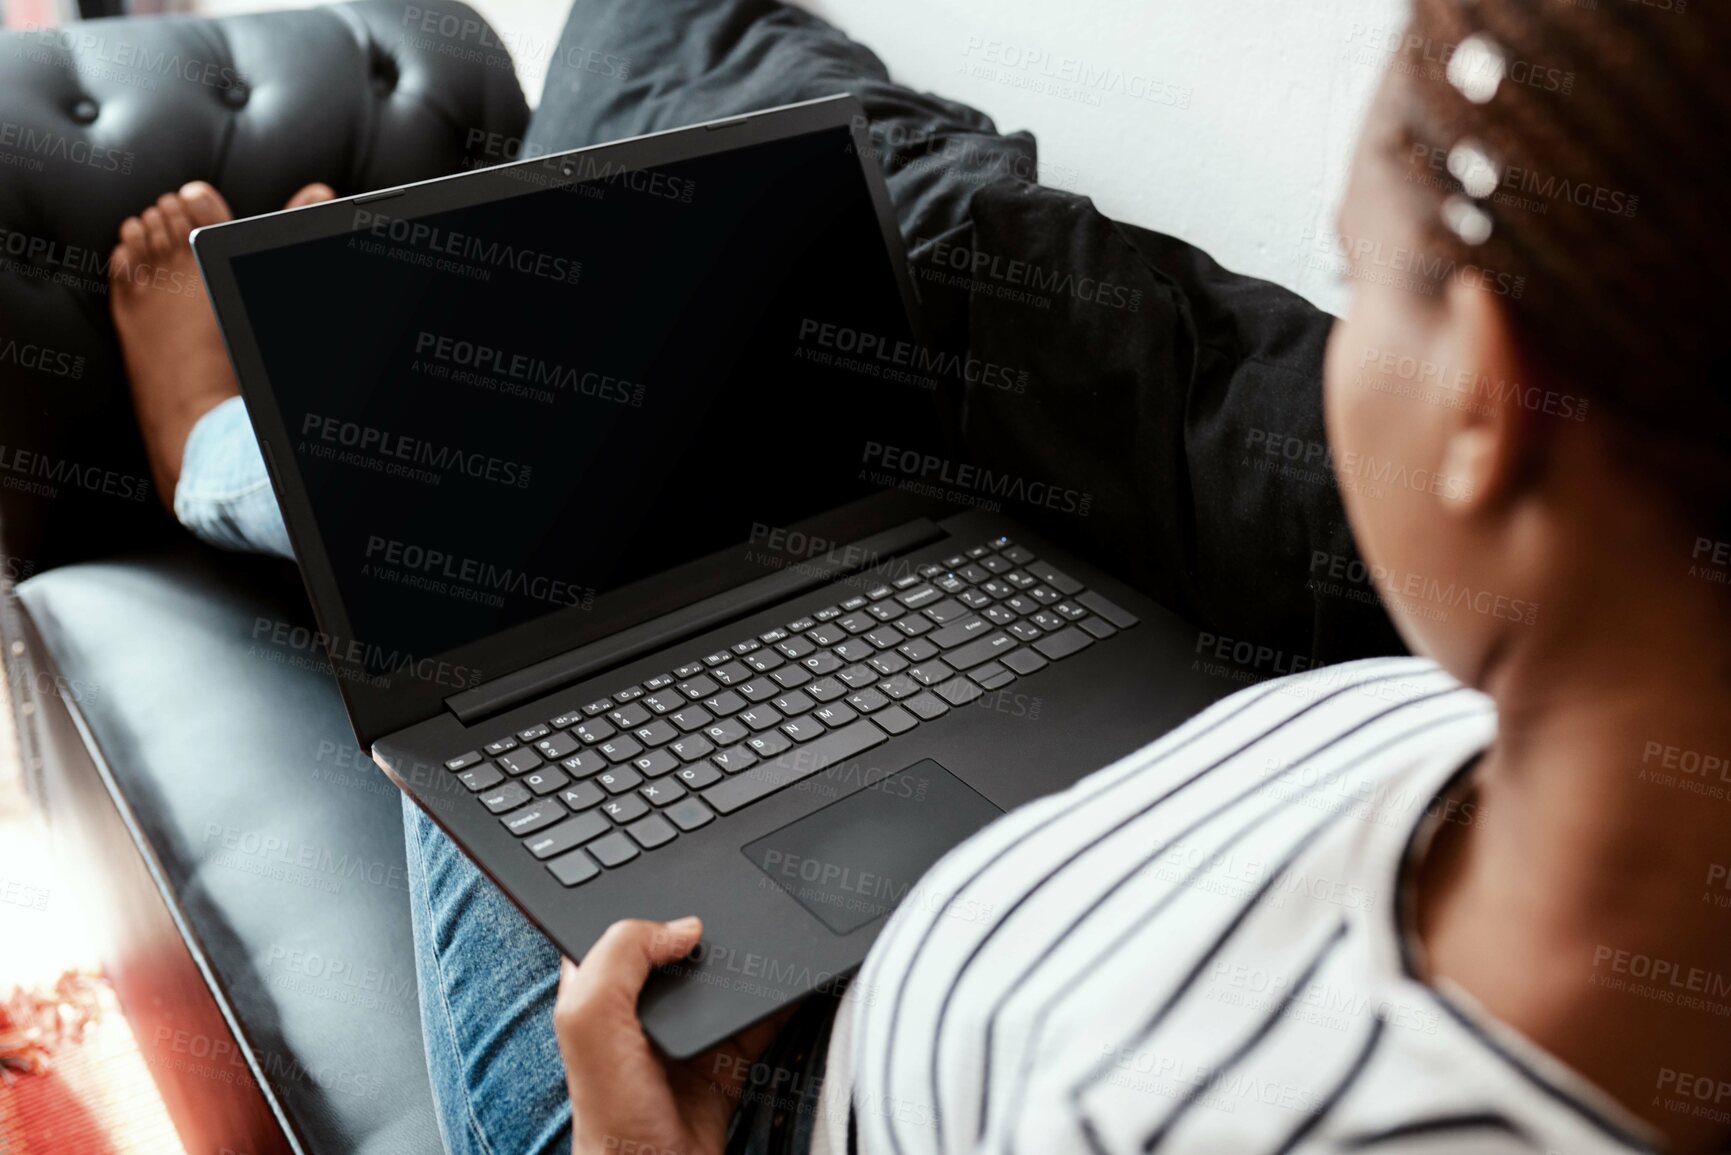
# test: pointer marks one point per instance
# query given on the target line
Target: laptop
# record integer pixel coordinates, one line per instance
(627, 494)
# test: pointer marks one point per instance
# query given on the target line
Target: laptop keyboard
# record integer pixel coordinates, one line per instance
(602, 784)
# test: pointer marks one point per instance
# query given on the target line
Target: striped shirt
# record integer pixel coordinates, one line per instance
(1201, 949)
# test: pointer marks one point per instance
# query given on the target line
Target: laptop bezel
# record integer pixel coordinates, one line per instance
(377, 707)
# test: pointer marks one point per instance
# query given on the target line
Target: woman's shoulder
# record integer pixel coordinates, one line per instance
(1354, 724)
(1179, 835)
(1369, 707)
(1329, 688)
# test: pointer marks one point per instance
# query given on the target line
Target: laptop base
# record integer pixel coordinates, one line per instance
(782, 919)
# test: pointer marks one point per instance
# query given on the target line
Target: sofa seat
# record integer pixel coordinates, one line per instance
(239, 861)
(274, 841)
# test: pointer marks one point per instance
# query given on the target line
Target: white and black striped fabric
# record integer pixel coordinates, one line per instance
(1200, 950)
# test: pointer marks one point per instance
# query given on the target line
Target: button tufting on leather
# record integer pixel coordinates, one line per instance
(84, 110)
(236, 95)
(385, 72)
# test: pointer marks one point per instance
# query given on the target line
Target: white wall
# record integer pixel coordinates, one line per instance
(1226, 122)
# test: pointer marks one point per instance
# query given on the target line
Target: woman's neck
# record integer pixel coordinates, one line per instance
(1583, 906)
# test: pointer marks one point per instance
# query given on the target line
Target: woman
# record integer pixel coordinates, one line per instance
(1464, 901)
(1482, 874)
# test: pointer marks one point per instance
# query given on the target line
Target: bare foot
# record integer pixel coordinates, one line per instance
(168, 335)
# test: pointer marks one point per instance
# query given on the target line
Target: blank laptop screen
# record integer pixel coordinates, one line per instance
(533, 405)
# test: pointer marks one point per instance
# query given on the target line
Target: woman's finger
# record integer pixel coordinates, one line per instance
(620, 962)
(631, 949)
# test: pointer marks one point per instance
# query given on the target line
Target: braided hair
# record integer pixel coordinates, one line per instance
(1581, 150)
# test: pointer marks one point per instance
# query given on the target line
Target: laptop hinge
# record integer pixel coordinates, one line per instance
(544, 677)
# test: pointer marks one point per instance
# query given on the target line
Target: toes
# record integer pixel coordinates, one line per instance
(204, 204)
(312, 194)
(176, 217)
(120, 264)
(156, 232)
(132, 251)
(132, 237)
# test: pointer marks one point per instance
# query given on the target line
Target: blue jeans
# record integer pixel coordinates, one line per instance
(487, 977)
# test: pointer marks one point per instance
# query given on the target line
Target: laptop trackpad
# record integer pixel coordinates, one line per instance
(859, 857)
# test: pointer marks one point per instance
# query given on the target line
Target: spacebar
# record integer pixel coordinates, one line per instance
(792, 765)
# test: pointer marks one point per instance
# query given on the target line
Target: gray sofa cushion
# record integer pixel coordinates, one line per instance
(274, 843)
(277, 838)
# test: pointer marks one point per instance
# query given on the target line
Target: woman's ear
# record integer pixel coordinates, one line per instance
(1491, 448)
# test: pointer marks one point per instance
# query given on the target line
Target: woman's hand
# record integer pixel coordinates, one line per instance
(625, 1096)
